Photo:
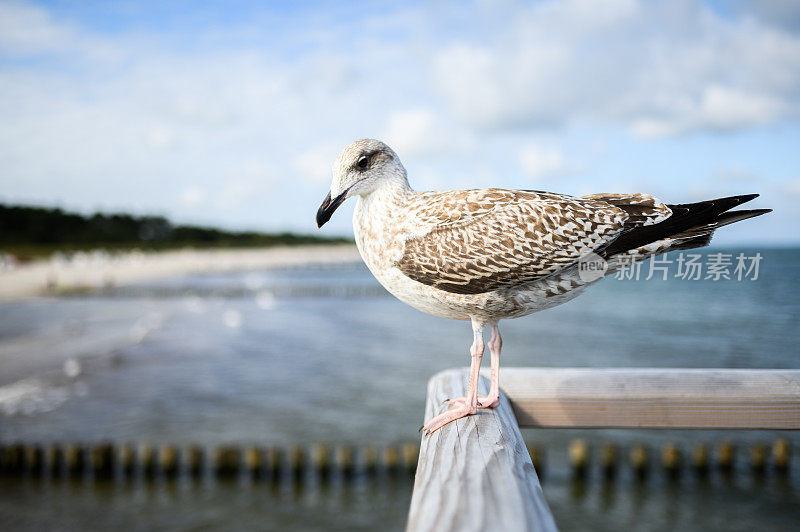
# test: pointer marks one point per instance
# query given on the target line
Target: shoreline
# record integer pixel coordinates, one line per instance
(103, 269)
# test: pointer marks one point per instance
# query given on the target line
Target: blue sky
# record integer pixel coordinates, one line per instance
(231, 113)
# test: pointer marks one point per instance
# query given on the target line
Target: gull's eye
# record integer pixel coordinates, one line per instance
(362, 162)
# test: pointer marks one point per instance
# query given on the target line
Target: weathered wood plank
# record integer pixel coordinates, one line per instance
(475, 473)
(654, 397)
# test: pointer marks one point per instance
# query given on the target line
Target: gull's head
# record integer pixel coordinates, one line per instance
(361, 168)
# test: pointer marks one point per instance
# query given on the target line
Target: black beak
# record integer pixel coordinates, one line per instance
(328, 206)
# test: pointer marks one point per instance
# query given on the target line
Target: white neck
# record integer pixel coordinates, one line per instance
(392, 189)
(378, 207)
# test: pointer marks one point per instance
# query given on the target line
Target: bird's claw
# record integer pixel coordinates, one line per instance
(453, 413)
(483, 401)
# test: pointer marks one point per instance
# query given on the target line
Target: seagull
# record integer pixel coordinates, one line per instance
(489, 254)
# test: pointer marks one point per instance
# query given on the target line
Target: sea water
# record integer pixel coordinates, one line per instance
(310, 355)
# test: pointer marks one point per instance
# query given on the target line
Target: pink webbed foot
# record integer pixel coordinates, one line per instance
(484, 401)
(457, 412)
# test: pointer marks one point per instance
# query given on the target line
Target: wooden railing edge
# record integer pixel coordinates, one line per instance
(654, 397)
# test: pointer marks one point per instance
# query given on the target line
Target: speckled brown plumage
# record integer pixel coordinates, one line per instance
(482, 240)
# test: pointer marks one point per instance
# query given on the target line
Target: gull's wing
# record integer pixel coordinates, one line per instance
(475, 241)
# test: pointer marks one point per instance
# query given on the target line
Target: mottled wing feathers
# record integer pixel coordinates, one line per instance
(642, 209)
(475, 241)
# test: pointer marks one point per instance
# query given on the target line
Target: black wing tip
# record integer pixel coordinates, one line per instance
(751, 212)
(744, 198)
(686, 216)
(730, 201)
(738, 199)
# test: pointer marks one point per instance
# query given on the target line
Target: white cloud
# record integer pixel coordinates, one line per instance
(737, 175)
(161, 138)
(192, 197)
(420, 132)
(540, 161)
(314, 164)
(660, 68)
(792, 187)
(236, 193)
(28, 29)
(719, 108)
(782, 13)
(414, 132)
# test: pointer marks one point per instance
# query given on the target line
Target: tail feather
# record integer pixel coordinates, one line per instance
(691, 243)
(730, 217)
(691, 225)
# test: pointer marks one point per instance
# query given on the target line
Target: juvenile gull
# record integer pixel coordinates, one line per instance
(488, 254)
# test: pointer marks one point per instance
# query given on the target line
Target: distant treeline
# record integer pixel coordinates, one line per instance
(30, 227)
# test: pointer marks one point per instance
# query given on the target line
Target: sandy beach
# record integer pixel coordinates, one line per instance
(97, 269)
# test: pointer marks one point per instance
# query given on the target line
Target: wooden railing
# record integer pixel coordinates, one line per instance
(476, 474)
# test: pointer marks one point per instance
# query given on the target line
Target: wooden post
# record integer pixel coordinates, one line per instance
(34, 459)
(55, 459)
(578, 454)
(254, 462)
(169, 459)
(410, 456)
(126, 456)
(274, 459)
(147, 458)
(12, 459)
(344, 460)
(195, 460)
(297, 463)
(608, 461)
(320, 460)
(369, 458)
(227, 460)
(671, 460)
(390, 460)
(700, 459)
(639, 461)
(780, 454)
(75, 457)
(758, 458)
(726, 455)
(475, 473)
(102, 459)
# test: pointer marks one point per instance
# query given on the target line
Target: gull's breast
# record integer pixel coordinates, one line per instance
(380, 244)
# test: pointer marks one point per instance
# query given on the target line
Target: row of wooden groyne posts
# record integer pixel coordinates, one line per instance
(108, 460)
(673, 459)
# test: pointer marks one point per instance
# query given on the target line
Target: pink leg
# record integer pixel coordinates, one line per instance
(470, 406)
(493, 399)
(495, 345)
